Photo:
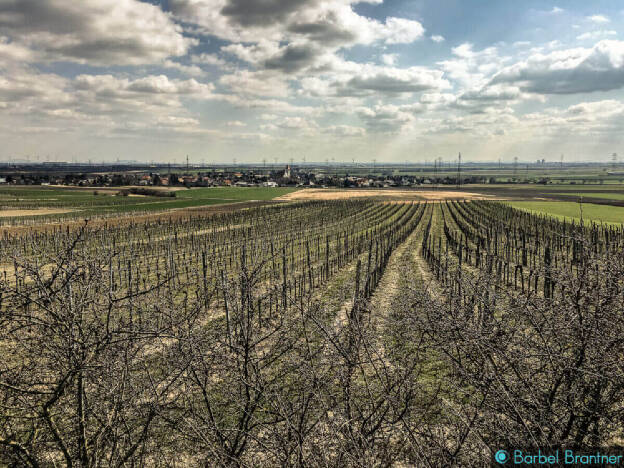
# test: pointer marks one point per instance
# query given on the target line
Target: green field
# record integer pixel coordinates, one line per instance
(571, 210)
(559, 187)
(606, 196)
(102, 201)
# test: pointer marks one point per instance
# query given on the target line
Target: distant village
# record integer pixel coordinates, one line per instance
(286, 177)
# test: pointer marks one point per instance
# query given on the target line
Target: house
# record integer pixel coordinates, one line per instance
(3, 180)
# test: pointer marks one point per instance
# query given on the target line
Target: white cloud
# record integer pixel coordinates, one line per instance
(209, 59)
(97, 32)
(152, 84)
(255, 53)
(437, 99)
(295, 123)
(190, 70)
(387, 118)
(393, 80)
(102, 105)
(389, 59)
(276, 55)
(361, 80)
(593, 35)
(256, 83)
(600, 19)
(344, 131)
(400, 31)
(330, 23)
(22, 90)
(596, 118)
(472, 69)
(11, 52)
(292, 125)
(569, 71)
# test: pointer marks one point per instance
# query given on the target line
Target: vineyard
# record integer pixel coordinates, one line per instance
(316, 333)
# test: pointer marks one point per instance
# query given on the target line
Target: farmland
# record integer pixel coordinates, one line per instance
(606, 195)
(573, 210)
(70, 202)
(335, 332)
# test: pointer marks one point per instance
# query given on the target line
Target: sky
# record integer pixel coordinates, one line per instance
(311, 80)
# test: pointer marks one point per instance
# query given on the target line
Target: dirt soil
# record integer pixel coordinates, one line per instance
(398, 194)
(37, 212)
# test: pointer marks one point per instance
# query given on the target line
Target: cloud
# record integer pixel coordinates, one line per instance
(492, 93)
(388, 118)
(292, 125)
(344, 131)
(295, 123)
(102, 105)
(485, 99)
(210, 59)
(328, 23)
(111, 86)
(11, 52)
(293, 58)
(256, 83)
(595, 118)
(471, 68)
(437, 100)
(595, 35)
(393, 80)
(556, 10)
(255, 53)
(96, 32)
(389, 59)
(362, 80)
(260, 13)
(600, 19)
(437, 38)
(190, 70)
(21, 90)
(235, 123)
(570, 71)
(401, 31)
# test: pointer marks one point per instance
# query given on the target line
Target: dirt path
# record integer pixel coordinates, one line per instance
(36, 212)
(390, 194)
(389, 288)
